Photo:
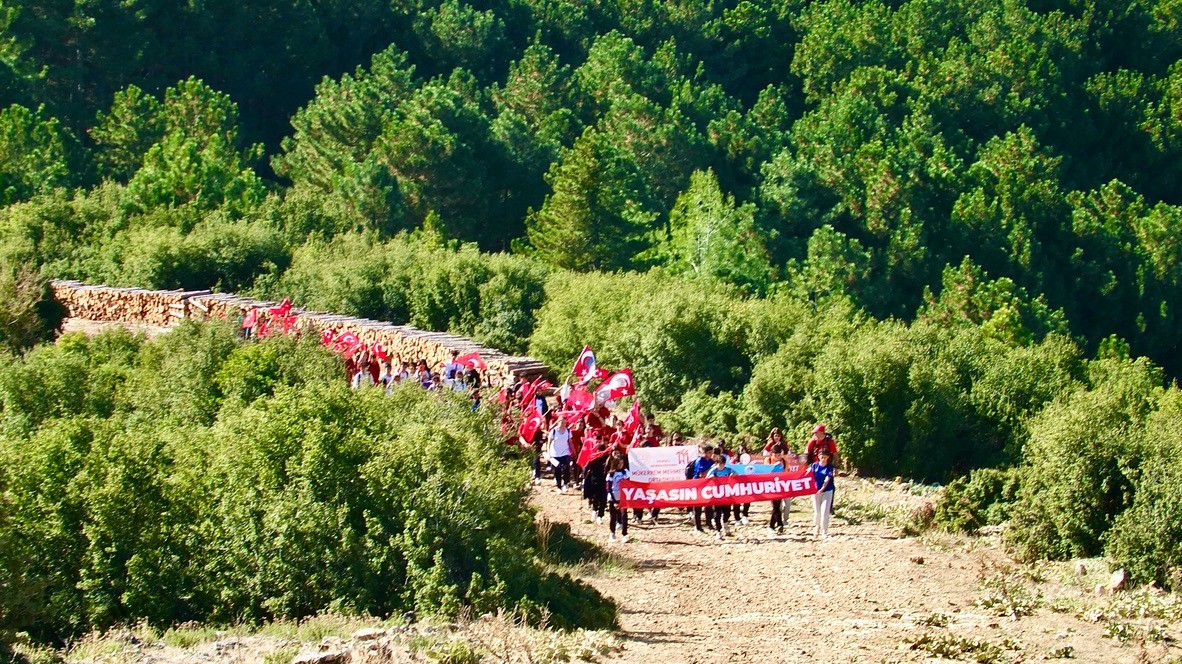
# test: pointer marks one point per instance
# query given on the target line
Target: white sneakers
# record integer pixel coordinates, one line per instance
(744, 521)
(624, 539)
(718, 535)
(599, 520)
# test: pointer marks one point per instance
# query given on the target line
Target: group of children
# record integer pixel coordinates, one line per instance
(602, 440)
(366, 368)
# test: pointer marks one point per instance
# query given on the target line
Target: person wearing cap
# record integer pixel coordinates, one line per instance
(820, 440)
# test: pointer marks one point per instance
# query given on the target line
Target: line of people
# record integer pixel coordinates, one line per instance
(597, 478)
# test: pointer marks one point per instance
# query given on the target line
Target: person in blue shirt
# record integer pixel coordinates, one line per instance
(823, 475)
(696, 470)
(617, 471)
(715, 515)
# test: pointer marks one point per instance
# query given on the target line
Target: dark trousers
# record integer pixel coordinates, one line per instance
(562, 472)
(619, 516)
(599, 501)
(716, 515)
(742, 510)
(777, 515)
(698, 517)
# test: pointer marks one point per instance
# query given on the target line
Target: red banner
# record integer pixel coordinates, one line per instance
(731, 490)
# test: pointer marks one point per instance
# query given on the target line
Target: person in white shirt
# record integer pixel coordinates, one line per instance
(559, 452)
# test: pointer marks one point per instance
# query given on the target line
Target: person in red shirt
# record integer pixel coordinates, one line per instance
(820, 440)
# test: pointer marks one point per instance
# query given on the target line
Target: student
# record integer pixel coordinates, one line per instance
(823, 498)
(780, 456)
(385, 377)
(776, 437)
(617, 470)
(720, 512)
(697, 469)
(820, 440)
(742, 512)
(560, 454)
(594, 482)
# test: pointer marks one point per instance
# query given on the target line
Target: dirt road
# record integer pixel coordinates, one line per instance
(865, 595)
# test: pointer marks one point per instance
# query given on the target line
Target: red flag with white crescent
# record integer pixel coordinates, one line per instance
(616, 386)
(632, 420)
(531, 421)
(380, 352)
(585, 363)
(283, 309)
(472, 361)
(327, 337)
(347, 344)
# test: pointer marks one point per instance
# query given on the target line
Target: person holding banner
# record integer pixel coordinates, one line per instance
(617, 471)
(784, 460)
(697, 469)
(823, 499)
(560, 454)
(717, 515)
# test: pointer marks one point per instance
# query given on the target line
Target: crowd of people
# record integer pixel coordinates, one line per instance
(575, 435)
(588, 457)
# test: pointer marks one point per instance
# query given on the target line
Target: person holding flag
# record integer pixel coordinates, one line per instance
(594, 463)
(560, 453)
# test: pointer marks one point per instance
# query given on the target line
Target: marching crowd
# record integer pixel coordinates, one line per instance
(574, 431)
(577, 435)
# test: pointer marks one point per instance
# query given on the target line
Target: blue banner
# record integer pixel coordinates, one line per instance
(755, 468)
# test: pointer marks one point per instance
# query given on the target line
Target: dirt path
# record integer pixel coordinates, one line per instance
(865, 595)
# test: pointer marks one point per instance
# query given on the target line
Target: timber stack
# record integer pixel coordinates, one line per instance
(164, 308)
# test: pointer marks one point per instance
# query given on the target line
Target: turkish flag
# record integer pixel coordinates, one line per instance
(472, 360)
(250, 318)
(380, 352)
(531, 421)
(590, 451)
(617, 385)
(327, 337)
(347, 344)
(585, 364)
(580, 400)
(287, 323)
(283, 309)
(632, 420)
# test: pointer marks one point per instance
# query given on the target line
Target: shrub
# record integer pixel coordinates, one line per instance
(982, 498)
(1082, 462)
(231, 482)
(1146, 539)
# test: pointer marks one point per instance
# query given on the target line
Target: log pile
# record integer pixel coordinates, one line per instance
(404, 342)
(122, 305)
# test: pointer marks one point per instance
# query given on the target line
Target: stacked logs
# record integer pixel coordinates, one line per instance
(404, 342)
(122, 305)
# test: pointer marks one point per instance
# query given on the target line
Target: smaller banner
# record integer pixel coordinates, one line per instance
(717, 491)
(755, 468)
(660, 464)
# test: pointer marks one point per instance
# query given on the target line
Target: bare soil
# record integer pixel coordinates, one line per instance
(867, 594)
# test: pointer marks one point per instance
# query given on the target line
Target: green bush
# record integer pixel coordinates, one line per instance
(414, 280)
(1083, 461)
(981, 498)
(1146, 539)
(675, 335)
(194, 477)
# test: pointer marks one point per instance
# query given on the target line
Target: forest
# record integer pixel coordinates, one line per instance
(951, 229)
